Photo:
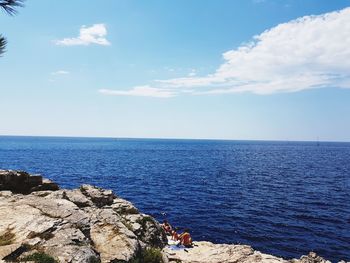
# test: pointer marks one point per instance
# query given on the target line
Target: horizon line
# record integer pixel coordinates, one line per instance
(173, 138)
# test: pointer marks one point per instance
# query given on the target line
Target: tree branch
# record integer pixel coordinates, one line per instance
(9, 6)
(2, 45)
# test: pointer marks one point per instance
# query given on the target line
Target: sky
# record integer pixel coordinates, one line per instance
(223, 69)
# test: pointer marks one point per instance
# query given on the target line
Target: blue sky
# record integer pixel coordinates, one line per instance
(178, 69)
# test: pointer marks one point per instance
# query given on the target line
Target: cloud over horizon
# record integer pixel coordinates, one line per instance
(96, 34)
(60, 72)
(144, 91)
(307, 53)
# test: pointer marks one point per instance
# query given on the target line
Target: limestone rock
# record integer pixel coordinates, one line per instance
(124, 207)
(69, 245)
(207, 252)
(78, 198)
(98, 196)
(146, 229)
(46, 185)
(80, 225)
(113, 244)
(312, 257)
(24, 183)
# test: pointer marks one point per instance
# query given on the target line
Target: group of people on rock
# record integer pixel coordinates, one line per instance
(184, 238)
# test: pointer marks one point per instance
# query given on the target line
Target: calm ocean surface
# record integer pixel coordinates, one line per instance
(283, 198)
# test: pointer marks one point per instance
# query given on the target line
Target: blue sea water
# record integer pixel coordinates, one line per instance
(283, 198)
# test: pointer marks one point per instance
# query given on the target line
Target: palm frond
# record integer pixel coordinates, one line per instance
(9, 6)
(3, 43)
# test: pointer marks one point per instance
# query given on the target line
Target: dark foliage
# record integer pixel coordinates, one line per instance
(9, 6)
(39, 258)
(2, 45)
(152, 255)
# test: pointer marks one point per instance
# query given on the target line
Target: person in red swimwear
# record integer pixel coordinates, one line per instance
(174, 234)
(185, 238)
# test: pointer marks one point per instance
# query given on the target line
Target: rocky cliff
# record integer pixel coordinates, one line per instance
(88, 224)
(41, 223)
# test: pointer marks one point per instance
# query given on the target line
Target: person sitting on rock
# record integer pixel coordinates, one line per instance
(185, 238)
(167, 227)
(174, 234)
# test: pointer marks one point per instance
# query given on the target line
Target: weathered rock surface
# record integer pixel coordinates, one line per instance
(207, 252)
(91, 224)
(82, 225)
(24, 183)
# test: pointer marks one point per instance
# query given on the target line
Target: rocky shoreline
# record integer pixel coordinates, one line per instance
(41, 223)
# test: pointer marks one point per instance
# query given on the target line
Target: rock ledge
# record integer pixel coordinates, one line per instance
(24, 183)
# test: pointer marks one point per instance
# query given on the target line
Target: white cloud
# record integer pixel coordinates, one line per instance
(96, 34)
(307, 53)
(145, 91)
(60, 72)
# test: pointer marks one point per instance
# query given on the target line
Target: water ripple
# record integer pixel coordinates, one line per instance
(283, 198)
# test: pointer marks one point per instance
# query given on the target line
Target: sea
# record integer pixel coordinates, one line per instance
(280, 197)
